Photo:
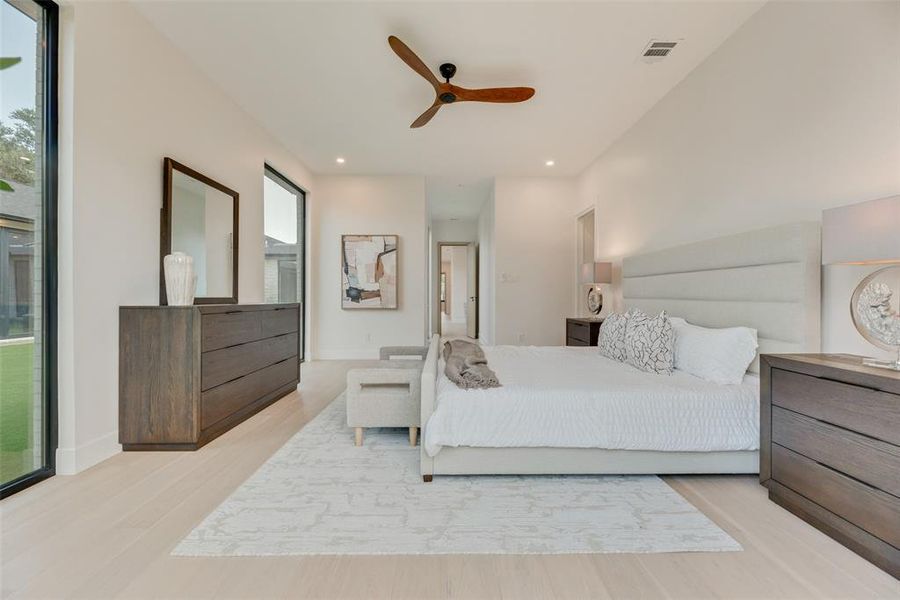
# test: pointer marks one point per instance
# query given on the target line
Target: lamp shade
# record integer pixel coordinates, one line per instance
(596, 272)
(864, 233)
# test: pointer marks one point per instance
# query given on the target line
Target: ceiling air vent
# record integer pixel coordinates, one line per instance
(656, 51)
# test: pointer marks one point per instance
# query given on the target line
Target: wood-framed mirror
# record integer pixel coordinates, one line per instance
(200, 218)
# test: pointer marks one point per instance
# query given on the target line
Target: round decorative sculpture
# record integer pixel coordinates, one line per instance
(181, 282)
(875, 307)
(594, 300)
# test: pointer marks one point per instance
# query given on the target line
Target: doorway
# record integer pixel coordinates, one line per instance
(457, 289)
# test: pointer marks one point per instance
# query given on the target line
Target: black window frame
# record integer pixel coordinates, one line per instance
(274, 175)
(50, 126)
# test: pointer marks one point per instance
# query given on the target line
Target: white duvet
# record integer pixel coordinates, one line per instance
(575, 398)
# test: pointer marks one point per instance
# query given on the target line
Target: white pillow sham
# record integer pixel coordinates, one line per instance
(717, 355)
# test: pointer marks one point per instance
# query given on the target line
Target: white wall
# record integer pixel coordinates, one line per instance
(460, 291)
(534, 259)
(445, 231)
(798, 111)
(487, 300)
(367, 205)
(128, 99)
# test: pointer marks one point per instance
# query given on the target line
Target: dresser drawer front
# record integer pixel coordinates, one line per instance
(279, 321)
(872, 510)
(871, 461)
(579, 332)
(228, 398)
(221, 366)
(221, 330)
(867, 411)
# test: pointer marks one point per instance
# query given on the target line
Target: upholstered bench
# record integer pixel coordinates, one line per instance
(387, 394)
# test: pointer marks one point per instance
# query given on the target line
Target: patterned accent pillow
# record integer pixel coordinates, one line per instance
(650, 342)
(611, 341)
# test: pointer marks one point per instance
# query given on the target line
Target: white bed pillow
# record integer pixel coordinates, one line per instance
(611, 339)
(649, 342)
(720, 355)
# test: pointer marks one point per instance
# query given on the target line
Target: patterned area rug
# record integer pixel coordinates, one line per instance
(320, 494)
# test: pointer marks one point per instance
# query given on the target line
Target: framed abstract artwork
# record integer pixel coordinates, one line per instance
(369, 271)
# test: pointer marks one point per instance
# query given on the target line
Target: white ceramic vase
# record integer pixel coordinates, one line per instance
(180, 279)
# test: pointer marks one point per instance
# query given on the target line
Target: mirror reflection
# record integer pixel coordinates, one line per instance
(202, 220)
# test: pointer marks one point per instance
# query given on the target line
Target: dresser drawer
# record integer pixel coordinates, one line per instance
(871, 412)
(871, 461)
(580, 332)
(226, 399)
(220, 366)
(279, 321)
(872, 510)
(224, 329)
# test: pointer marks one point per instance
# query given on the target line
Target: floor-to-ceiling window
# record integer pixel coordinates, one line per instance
(285, 239)
(28, 39)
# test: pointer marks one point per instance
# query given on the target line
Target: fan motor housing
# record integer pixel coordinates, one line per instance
(448, 70)
(447, 97)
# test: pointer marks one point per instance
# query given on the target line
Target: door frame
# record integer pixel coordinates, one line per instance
(302, 262)
(437, 282)
(50, 283)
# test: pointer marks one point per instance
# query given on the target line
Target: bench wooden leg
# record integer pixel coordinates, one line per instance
(413, 433)
(359, 436)
(427, 478)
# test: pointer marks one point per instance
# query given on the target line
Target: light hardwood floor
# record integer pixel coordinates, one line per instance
(108, 532)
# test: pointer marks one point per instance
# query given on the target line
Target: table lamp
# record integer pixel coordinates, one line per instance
(868, 233)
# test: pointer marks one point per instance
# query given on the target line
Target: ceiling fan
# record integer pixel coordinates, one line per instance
(446, 92)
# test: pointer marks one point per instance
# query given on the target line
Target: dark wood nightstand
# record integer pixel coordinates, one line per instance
(582, 332)
(830, 448)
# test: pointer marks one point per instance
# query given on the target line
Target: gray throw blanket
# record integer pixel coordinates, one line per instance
(466, 366)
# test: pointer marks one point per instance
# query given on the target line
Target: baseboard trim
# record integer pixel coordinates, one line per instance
(70, 461)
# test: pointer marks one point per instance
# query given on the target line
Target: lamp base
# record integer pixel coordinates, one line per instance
(884, 364)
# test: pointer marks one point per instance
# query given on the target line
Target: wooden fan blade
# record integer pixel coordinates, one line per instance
(510, 94)
(426, 116)
(414, 62)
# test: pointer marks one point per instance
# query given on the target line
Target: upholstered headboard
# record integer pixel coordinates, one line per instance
(767, 279)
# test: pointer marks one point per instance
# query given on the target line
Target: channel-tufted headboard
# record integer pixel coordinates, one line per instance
(767, 279)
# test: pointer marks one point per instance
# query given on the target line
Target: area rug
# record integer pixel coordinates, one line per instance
(320, 494)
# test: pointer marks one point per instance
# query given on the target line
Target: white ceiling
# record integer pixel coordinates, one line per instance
(458, 198)
(321, 77)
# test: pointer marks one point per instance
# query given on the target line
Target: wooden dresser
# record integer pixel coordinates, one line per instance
(187, 374)
(582, 332)
(830, 448)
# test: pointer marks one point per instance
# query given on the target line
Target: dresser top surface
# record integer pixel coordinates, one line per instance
(216, 308)
(841, 367)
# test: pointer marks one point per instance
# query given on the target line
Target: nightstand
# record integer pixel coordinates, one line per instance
(830, 448)
(583, 332)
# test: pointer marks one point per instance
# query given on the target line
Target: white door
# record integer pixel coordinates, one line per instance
(472, 287)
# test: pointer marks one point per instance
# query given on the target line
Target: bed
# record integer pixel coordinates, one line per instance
(570, 411)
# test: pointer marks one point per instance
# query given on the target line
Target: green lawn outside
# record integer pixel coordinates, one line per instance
(16, 406)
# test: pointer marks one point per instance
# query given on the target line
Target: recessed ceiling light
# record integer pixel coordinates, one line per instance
(340, 160)
(549, 163)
